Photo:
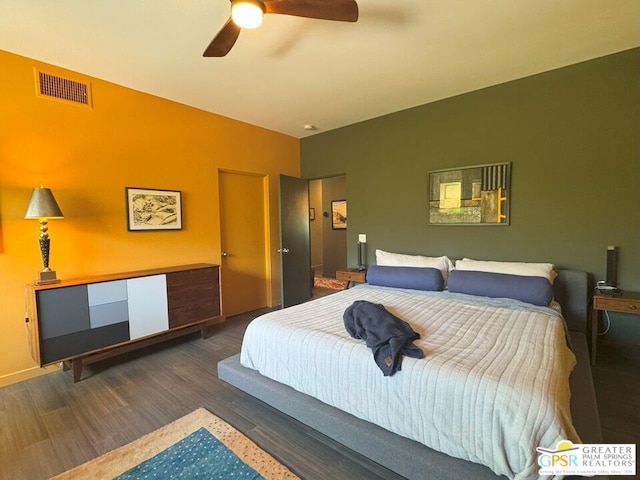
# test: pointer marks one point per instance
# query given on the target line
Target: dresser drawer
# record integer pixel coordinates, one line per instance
(617, 304)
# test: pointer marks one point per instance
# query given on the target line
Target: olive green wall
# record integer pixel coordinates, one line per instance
(334, 242)
(572, 135)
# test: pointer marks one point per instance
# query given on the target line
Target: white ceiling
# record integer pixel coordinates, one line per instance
(295, 71)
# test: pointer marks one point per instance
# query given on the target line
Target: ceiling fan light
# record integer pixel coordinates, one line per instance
(247, 13)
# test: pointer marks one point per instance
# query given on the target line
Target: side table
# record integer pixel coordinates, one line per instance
(352, 275)
(622, 302)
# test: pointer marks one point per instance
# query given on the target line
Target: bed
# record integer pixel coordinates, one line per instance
(476, 406)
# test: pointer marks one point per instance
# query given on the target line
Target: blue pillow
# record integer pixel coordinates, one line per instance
(416, 278)
(535, 290)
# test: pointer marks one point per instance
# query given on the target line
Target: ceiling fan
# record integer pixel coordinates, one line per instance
(248, 14)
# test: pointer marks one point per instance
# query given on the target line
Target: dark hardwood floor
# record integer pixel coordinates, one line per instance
(616, 377)
(49, 424)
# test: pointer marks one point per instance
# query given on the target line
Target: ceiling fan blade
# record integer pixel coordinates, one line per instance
(340, 10)
(223, 41)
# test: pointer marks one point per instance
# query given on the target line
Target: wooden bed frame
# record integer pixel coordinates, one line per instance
(409, 458)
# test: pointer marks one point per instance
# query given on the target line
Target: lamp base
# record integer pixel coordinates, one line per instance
(46, 277)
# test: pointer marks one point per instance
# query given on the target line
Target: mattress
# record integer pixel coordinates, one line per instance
(492, 387)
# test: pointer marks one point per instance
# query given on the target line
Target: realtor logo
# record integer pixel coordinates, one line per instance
(564, 455)
(587, 459)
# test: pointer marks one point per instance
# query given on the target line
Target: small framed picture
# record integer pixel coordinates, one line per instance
(312, 214)
(339, 214)
(151, 209)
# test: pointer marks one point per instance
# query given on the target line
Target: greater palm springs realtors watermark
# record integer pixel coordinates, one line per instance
(587, 459)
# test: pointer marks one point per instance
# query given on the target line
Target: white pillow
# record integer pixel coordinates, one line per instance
(544, 270)
(389, 259)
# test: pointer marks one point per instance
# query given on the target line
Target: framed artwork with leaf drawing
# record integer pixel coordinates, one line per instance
(151, 209)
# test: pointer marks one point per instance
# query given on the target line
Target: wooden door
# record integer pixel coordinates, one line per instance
(243, 240)
(295, 243)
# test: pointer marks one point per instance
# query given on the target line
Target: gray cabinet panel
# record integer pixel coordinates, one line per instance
(63, 311)
(109, 313)
(59, 348)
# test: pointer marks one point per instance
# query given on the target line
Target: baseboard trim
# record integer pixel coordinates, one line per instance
(26, 374)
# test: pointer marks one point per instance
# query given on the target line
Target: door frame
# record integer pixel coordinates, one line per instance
(319, 215)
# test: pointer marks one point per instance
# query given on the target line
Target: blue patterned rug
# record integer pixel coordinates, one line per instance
(198, 456)
(197, 446)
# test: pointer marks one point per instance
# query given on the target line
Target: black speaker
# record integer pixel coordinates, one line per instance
(612, 265)
(361, 255)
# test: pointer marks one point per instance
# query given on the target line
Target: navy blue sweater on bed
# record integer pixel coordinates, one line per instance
(386, 335)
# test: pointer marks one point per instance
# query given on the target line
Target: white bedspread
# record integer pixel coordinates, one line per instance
(493, 386)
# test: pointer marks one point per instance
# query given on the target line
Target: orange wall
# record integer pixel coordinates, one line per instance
(87, 157)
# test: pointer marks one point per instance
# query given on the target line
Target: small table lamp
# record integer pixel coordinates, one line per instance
(43, 206)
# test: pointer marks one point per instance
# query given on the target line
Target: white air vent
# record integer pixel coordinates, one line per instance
(53, 86)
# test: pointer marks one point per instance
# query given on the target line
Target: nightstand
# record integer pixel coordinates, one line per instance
(352, 275)
(622, 302)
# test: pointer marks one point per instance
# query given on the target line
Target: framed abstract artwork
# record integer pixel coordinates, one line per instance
(476, 195)
(151, 209)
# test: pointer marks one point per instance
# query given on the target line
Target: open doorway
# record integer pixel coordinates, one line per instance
(328, 239)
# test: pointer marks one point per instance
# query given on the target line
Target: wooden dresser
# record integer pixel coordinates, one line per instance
(84, 320)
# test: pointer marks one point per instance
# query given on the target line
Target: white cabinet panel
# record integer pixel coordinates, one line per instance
(107, 292)
(148, 311)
